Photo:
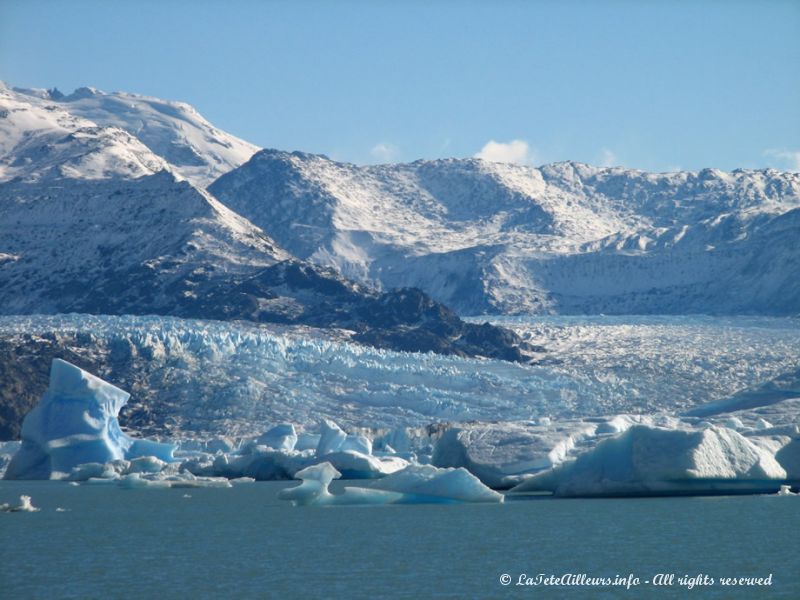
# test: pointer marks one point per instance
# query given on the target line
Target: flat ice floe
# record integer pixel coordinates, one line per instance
(412, 485)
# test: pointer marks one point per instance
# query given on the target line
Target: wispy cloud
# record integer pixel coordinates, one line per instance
(783, 158)
(384, 152)
(608, 158)
(515, 151)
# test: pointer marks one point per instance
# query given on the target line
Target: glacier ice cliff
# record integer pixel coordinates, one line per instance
(76, 423)
(206, 379)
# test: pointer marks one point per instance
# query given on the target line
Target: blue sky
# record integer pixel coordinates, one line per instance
(652, 85)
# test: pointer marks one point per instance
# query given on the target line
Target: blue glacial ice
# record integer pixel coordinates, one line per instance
(213, 378)
(280, 437)
(75, 423)
(648, 460)
(416, 484)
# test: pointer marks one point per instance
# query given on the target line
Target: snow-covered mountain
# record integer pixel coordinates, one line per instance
(488, 237)
(93, 221)
(174, 131)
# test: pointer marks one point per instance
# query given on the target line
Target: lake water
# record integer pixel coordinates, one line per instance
(244, 543)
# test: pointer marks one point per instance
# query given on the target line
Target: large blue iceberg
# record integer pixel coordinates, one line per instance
(76, 423)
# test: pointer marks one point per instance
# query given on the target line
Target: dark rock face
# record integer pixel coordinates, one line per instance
(406, 319)
(158, 246)
(24, 375)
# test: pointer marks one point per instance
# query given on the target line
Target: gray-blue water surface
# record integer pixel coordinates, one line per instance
(244, 543)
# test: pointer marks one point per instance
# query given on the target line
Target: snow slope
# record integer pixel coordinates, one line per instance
(90, 217)
(40, 142)
(174, 131)
(92, 221)
(488, 237)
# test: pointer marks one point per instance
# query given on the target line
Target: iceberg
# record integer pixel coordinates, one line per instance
(789, 456)
(501, 454)
(23, 506)
(75, 423)
(313, 488)
(356, 465)
(280, 437)
(646, 460)
(331, 438)
(421, 483)
(180, 481)
(264, 463)
(417, 484)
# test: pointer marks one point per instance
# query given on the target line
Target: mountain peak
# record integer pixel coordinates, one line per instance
(79, 94)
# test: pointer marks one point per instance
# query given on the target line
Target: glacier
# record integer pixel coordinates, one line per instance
(76, 423)
(127, 204)
(74, 434)
(205, 379)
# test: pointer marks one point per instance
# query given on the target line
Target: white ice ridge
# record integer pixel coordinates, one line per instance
(653, 460)
(418, 484)
(76, 423)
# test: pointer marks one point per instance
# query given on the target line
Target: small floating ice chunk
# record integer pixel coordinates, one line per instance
(183, 480)
(92, 470)
(23, 506)
(242, 480)
(314, 486)
(786, 490)
(146, 464)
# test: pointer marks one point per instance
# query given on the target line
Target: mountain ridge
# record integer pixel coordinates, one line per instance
(482, 236)
(93, 221)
